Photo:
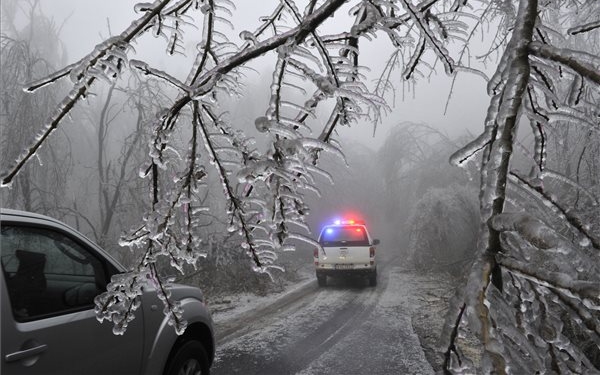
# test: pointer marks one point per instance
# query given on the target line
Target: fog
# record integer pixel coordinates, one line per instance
(362, 184)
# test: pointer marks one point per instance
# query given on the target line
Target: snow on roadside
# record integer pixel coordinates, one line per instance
(422, 298)
(229, 307)
(430, 302)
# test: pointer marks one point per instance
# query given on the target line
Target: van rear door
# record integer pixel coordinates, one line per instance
(345, 245)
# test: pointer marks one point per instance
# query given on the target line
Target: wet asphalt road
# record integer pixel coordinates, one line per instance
(344, 328)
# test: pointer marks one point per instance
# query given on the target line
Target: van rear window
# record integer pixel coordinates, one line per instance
(354, 235)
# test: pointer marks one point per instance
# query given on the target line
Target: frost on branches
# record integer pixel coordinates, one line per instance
(533, 296)
(531, 273)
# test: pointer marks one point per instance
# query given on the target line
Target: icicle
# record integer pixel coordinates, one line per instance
(144, 7)
(262, 124)
(576, 91)
(435, 44)
(247, 36)
(569, 181)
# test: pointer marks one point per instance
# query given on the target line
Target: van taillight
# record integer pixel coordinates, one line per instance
(316, 255)
(371, 252)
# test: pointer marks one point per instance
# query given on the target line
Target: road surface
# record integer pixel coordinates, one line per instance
(344, 328)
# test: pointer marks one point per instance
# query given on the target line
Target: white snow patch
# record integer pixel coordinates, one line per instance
(231, 307)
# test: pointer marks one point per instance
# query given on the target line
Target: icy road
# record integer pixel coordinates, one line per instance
(344, 328)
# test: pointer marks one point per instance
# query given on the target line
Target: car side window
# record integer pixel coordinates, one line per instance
(47, 273)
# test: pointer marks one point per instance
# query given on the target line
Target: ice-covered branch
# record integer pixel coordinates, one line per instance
(582, 63)
(227, 186)
(34, 86)
(298, 34)
(473, 148)
(452, 356)
(422, 7)
(206, 81)
(501, 121)
(268, 21)
(584, 28)
(531, 229)
(582, 288)
(328, 63)
(63, 109)
(145, 69)
(206, 45)
(79, 74)
(572, 220)
(436, 45)
(586, 316)
(538, 120)
(414, 59)
(509, 107)
(564, 179)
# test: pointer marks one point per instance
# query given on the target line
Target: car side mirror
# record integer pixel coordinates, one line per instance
(376, 242)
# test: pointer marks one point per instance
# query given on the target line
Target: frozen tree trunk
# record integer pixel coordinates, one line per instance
(509, 84)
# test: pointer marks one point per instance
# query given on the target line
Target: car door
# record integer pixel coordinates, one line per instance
(49, 281)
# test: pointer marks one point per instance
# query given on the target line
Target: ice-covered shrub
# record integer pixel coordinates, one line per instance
(225, 271)
(443, 229)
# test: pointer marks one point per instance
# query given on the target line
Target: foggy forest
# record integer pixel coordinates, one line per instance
(198, 144)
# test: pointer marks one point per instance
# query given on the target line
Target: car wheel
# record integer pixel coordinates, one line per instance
(373, 279)
(189, 359)
(322, 280)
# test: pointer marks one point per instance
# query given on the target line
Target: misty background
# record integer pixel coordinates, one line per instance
(396, 173)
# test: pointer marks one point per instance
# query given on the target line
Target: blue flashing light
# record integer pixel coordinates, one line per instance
(329, 231)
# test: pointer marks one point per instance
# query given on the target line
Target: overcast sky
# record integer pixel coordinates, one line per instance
(85, 22)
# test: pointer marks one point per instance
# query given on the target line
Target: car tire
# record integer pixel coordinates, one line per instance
(189, 359)
(373, 279)
(322, 280)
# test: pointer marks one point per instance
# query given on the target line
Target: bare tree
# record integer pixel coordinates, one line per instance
(313, 72)
(23, 57)
(119, 143)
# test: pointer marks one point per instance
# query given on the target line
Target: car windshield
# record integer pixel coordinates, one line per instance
(353, 235)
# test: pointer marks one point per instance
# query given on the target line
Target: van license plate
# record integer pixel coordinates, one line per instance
(343, 266)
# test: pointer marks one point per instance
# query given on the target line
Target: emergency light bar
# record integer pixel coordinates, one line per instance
(348, 222)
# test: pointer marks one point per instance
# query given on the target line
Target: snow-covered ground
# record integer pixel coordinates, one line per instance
(231, 307)
(309, 330)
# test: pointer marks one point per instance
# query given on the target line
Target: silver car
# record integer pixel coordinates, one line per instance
(50, 276)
